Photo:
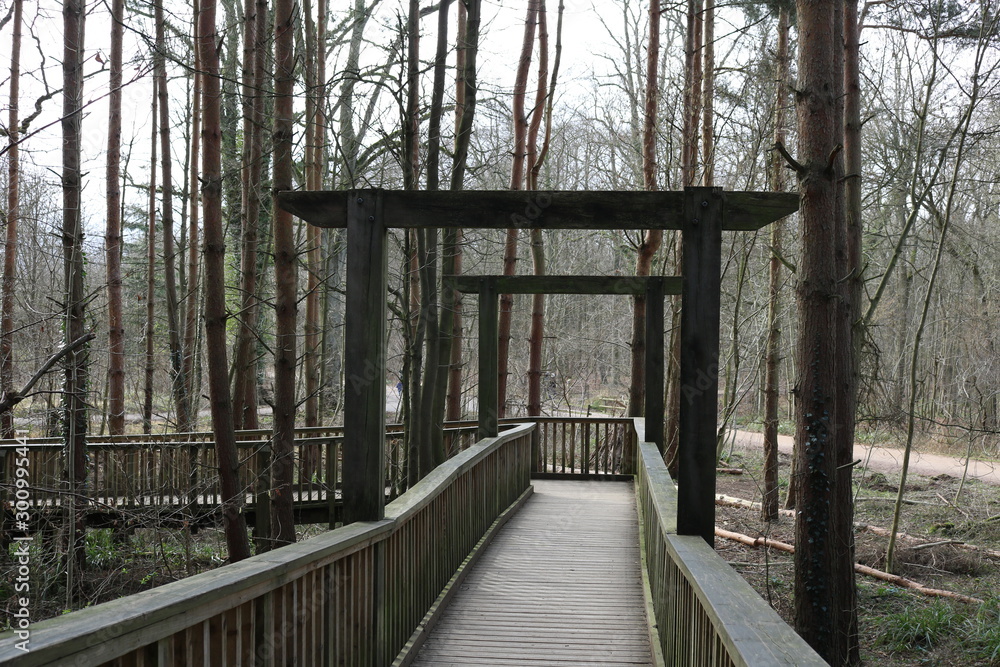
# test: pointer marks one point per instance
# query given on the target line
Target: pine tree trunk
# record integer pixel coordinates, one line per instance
(191, 301)
(75, 384)
(282, 468)
(825, 597)
(234, 521)
(772, 379)
(167, 217)
(254, 75)
(113, 235)
(149, 367)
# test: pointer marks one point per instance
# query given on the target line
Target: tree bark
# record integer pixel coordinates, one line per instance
(772, 379)
(520, 121)
(178, 382)
(190, 344)
(77, 363)
(254, 75)
(314, 55)
(536, 335)
(652, 238)
(825, 595)
(10, 238)
(149, 367)
(285, 256)
(234, 521)
(113, 234)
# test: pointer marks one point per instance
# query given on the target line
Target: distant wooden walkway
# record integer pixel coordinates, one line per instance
(560, 585)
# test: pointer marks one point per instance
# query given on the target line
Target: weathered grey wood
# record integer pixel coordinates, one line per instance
(489, 340)
(560, 583)
(653, 408)
(629, 285)
(688, 582)
(699, 373)
(503, 209)
(364, 363)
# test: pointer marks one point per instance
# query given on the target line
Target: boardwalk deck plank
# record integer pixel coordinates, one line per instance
(560, 585)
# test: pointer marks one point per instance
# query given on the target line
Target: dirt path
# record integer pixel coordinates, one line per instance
(890, 460)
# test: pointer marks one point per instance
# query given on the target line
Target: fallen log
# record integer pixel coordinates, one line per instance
(895, 579)
(730, 501)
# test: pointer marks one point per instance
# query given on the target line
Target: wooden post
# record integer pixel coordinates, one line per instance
(364, 364)
(701, 228)
(654, 362)
(489, 400)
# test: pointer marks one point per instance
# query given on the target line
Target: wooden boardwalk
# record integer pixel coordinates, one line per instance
(559, 585)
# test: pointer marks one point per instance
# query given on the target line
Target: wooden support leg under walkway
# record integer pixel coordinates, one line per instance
(560, 585)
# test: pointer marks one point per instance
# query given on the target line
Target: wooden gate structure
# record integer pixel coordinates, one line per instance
(700, 213)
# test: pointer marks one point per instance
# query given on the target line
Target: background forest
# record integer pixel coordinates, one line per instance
(127, 122)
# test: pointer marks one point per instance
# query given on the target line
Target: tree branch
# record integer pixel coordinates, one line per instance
(792, 162)
(16, 397)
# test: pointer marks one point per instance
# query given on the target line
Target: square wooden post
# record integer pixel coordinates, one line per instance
(489, 313)
(701, 229)
(653, 409)
(364, 363)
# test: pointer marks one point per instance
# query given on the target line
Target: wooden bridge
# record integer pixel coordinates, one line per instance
(476, 564)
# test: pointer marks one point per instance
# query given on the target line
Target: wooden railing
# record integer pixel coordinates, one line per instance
(705, 613)
(589, 446)
(170, 471)
(352, 596)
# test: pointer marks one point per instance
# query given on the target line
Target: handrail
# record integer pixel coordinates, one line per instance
(350, 596)
(706, 614)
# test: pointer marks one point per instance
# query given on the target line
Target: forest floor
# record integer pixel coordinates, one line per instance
(953, 544)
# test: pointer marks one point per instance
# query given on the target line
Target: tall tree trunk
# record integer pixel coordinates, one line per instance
(516, 183)
(149, 367)
(413, 364)
(75, 384)
(652, 238)
(254, 77)
(113, 235)
(234, 521)
(10, 239)
(191, 303)
(536, 335)
(283, 523)
(167, 216)
(825, 596)
(689, 168)
(314, 54)
(708, 96)
(439, 320)
(772, 379)
(465, 107)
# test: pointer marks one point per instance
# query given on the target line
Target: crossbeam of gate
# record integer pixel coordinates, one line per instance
(654, 288)
(700, 213)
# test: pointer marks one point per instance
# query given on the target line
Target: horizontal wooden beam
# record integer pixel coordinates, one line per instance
(503, 209)
(632, 285)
